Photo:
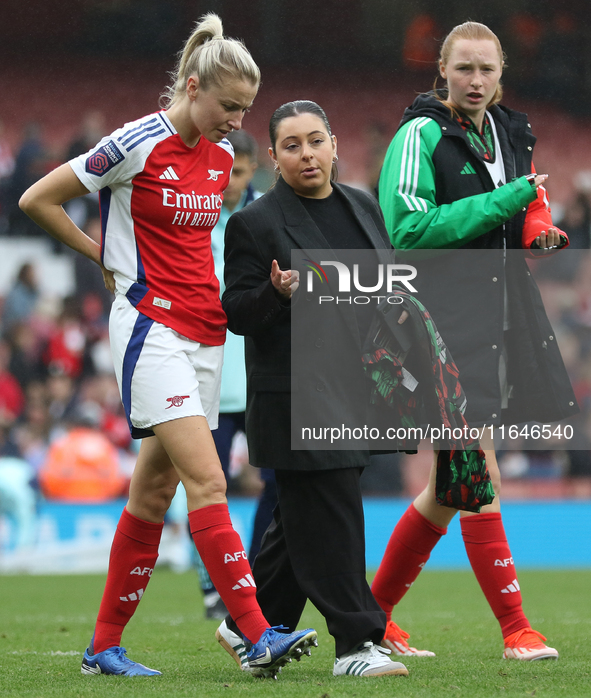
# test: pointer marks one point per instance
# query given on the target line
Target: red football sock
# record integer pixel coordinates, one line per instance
(223, 554)
(492, 563)
(408, 549)
(133, 555)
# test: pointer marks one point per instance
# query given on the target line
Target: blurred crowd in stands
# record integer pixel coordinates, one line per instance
(61, 418)
(59, 404)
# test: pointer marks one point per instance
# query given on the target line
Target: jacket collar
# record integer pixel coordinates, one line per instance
(302, 229)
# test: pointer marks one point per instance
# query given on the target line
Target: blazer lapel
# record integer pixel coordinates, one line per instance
(365, 221)
(299, 226)
(306, 234)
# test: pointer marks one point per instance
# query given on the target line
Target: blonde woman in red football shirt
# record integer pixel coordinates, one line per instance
(161, 180)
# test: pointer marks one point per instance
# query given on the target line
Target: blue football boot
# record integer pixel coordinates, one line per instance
(115, 662)
(275, 649)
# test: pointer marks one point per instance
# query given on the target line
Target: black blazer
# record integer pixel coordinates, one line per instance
(270, 228)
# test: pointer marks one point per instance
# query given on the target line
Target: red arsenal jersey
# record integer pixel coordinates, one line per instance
(159, 201)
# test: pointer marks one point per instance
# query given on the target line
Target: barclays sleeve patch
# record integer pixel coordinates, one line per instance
(104, 159)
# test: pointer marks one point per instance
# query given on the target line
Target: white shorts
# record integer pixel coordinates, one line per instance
(161, 374)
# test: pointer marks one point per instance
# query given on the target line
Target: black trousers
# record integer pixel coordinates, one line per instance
(315, 549)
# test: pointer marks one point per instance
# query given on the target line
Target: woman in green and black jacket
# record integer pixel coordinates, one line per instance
(459, 174)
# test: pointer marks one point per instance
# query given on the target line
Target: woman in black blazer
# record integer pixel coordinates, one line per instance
(315, 548)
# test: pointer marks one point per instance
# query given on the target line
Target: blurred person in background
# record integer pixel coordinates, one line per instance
(62, 399)
(82, 465)
(576, 223)
(21, 300)
(6, 170)
(92, 130)
(64, 352)
(25, 361)
(12, 399)
(83, 209)
(419, 49)
(102, 392)
(161, 180)
(87, 275)
(459, 173)
(32, 432)
(18, 501)
(30, 165)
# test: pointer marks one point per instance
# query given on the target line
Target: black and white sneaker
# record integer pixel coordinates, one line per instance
(233, 644)
(368, 659)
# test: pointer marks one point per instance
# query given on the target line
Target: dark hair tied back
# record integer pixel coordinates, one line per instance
(295, 108)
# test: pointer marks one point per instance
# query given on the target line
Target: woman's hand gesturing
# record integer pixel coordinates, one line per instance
(284, 282)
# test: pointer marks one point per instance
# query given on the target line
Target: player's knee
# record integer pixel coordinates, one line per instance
(159, 501)
(215, 486)
(209, 488)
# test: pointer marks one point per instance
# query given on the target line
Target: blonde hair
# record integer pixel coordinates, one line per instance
(212, 57)
(474, 31)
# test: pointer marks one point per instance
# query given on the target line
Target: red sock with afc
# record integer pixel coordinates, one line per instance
(492, 563)
(133, 556)
(408, 549)
(223, 554)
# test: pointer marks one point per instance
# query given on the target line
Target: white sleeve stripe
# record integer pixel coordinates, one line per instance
(166, 123)
(141, 140)
(148, 130)
(410, 165)
(136, 128)
(413, 178)
(403, 168)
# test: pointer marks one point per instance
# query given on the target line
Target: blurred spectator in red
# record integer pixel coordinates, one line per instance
(420, 50)
(12, 399)
(22, 298)
(64, 354)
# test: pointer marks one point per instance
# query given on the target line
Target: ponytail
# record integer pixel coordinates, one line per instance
(212, 58)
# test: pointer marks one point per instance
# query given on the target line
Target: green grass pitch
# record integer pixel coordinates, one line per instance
(46, 622)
